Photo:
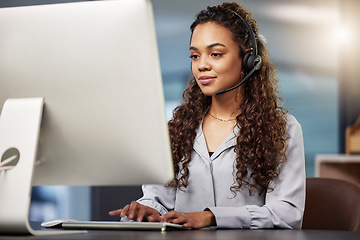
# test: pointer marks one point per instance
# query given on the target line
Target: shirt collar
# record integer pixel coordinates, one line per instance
(200, 142)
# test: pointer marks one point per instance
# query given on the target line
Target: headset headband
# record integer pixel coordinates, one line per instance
(251, 32)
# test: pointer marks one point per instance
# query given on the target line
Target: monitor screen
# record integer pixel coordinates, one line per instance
(96, 65)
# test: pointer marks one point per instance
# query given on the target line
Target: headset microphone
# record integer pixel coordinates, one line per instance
(251, 61)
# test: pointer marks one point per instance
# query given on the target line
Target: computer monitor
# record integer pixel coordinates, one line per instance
(86, 77)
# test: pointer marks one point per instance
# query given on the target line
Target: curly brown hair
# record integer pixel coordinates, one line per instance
(261, 143)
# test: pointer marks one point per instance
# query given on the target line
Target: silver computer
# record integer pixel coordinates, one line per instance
(84, 103)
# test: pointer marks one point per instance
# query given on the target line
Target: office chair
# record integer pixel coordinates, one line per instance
(332, 204)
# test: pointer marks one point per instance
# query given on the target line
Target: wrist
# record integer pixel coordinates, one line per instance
(210, 217)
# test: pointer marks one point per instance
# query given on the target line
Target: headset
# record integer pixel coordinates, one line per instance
(251, 61)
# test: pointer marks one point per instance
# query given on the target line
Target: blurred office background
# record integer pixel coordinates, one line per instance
(312, 45)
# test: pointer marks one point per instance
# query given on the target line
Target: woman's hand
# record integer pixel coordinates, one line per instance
(138, 212)
(191, 219)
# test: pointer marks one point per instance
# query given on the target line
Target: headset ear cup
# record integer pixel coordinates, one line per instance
(251, 61)
(245, 61)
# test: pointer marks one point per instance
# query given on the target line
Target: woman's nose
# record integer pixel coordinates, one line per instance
(204, 64)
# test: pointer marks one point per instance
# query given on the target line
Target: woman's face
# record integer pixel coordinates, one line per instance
(216, 64)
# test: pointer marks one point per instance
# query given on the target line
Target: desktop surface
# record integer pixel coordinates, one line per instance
(207, 234)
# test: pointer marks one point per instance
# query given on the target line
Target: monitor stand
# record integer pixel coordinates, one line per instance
(20, 122)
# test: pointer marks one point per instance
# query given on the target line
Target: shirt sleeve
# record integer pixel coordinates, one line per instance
(159, 197)
(284, 206)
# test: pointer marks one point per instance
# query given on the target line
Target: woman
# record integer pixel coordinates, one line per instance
(238, 157)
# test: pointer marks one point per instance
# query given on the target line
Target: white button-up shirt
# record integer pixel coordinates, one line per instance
(210, 179)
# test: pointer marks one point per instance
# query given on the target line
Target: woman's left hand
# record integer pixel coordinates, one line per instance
(191, 219)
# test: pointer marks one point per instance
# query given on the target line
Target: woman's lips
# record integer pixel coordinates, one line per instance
(205, 80)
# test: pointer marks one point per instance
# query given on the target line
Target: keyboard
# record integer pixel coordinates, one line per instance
(115, 225)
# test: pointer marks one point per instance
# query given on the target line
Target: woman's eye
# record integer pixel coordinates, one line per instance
(216, 55)
(193, 56)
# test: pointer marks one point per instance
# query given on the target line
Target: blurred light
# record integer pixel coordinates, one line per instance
(298, 13)
(342, 35)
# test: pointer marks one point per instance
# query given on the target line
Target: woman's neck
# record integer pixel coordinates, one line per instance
(226, 105)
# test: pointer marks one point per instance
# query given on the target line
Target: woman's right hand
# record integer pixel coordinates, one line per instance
(138, 212)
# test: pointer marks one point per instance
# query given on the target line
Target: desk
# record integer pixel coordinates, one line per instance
(205, 235)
